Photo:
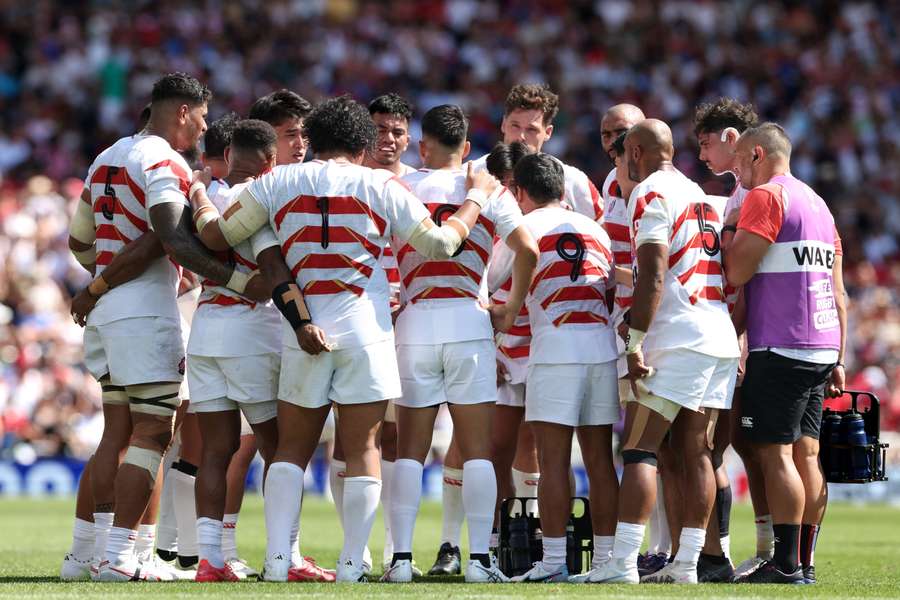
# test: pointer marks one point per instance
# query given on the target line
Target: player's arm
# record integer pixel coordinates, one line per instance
(836, 384)
(525, 257)
(289, 300)
(739, 313)
(127, 264)
(757, 227)
(441, 243)
(624, 276)
(83, 233)
(245, 216)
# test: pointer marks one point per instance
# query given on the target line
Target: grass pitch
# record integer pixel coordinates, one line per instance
(858, 557)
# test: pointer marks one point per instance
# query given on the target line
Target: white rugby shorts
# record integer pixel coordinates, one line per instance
(345, 375)
(691, 379)
(573, 394)
(135, 351)
(249, 383)
(511, 394)
(455, 372)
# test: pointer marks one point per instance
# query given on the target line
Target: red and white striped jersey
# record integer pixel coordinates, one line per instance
(389, 264)
(513, 346)
(567, 298)
(616, 225)
(333, 220)
(735, 202)
(668, 208)
(125, 181)
(226, 324)
(440, 297)
(581, 195)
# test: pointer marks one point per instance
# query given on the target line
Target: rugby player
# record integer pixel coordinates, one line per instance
(445, 344)
(333, 218)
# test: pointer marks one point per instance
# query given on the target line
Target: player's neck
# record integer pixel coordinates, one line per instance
(164, 131)
(238, 175)
(663, 165)
(450, 161)
(335, 156)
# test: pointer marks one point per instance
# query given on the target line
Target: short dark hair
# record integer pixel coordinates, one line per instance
(254, 134)
(772, 137)
(504, 157)
(278, 107)
(533, 96)
(182, 87)
(339, 125)
(541, 176)
(722, 114)
(447, 124)
(218, 136)
(391, 104)
(618, 146)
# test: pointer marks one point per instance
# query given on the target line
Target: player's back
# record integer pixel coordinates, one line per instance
(125, 181)
(333, 220)
(567, 297)
(673, 210)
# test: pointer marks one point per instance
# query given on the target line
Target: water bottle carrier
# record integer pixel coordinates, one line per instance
(876, 451)
(520, 536)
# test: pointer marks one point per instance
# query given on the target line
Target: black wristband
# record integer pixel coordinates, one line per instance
(286, 296)
(731, 228)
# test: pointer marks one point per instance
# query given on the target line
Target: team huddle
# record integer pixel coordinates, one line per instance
(355, 292)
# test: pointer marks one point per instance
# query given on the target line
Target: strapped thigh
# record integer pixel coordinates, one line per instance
(154, 398)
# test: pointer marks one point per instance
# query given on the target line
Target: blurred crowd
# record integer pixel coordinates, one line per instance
(75, 75)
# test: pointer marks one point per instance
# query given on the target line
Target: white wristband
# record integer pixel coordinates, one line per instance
(238, 281)
(477, 196)
(462, 223)
(194, 187)
(634, 340)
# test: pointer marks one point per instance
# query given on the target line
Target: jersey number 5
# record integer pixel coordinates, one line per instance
(573, 255)
(108, 200)
(709, 237)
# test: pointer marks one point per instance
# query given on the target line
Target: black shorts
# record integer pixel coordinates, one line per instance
(781, 398)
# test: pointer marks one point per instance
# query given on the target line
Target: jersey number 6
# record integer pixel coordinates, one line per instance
(575, 255)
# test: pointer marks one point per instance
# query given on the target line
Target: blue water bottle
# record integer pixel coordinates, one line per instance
(833, 458)
(860, 461)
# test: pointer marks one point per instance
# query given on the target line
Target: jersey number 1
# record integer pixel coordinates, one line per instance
(322, 205)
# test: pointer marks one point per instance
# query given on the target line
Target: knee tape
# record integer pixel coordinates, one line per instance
(635, 456)
(145, 459)
(112, 394)
(154, 398)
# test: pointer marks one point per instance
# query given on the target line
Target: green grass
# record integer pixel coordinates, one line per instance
(858, 557)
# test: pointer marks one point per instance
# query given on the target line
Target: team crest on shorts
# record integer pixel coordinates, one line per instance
(181, 366)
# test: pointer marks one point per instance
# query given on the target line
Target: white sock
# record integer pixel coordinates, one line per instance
(765, 537)
(102, 524)
(689, 546)
(209, 538)
(603, 547)
(296, 557)
(725, 542)
(387, 481)
(82, 540)
(284, 485)
(229, 536)
(479, 495)
(120, 545)
(554, 552)
(166, 525)
(361, 496)
(525, 484)
(185, 512)
(407, 494)
(629, 537)
(453, 513)
(660, 538)
(337, 471)
(143, 545)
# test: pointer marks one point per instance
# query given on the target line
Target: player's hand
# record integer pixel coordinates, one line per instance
(258, 288)
(204, 176)
(636, 367)
(502, 373)
(623, 330)
(502, 318)
(312, 339)
(82, 305)
(836, 382)
(481, 179)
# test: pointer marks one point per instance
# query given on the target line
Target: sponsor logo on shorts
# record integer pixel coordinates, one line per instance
(747, 422)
